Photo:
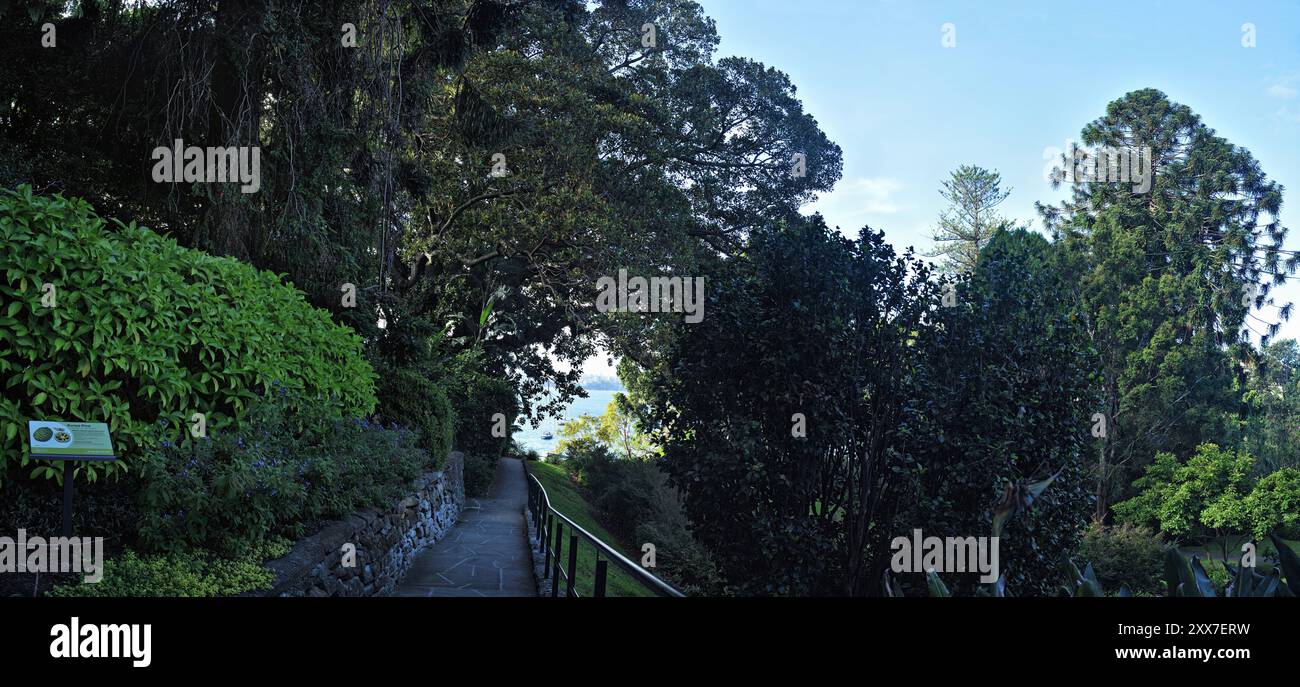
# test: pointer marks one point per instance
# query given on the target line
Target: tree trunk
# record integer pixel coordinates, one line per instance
(1108, 446)
(234, 119)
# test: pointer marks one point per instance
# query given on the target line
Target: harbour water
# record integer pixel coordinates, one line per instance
(532, 437)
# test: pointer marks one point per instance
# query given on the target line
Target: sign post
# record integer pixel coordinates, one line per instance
(67, 498)
(68, 442)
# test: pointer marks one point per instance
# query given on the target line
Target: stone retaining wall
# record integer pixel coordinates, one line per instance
(386, 541)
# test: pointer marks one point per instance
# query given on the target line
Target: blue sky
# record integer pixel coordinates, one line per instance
(1023, 77)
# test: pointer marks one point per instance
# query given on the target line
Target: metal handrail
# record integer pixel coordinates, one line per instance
(539, 506)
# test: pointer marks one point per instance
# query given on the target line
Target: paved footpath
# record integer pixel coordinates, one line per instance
(486, 553)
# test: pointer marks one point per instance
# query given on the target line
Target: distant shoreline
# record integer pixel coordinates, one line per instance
(593, 404)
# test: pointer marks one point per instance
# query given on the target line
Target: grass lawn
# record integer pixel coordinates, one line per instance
(565, 498)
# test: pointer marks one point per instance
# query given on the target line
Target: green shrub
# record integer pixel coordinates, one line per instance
(1199, 497)
(414, 399)
(635, 502)
(1217, 572)
(478, 398)
(1212, 494)
(278, 474)
(144, 333)
(190, 573)
(410, 355)
(1124, 555)
(1274, 504)
(480, 470)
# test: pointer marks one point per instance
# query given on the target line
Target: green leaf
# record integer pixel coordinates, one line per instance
(1086, 583)
(1176, 573)
(1244, 584)
(1204, 585)
(1270, 584)
(487, 311)
(936, 585)
(1290, 563)
(888, 587)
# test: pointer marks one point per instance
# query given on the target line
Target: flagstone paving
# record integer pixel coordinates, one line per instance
(486, 553)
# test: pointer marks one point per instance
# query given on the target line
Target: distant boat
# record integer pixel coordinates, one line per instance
(548, 436)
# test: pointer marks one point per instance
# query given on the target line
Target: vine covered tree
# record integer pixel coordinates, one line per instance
(470, 167)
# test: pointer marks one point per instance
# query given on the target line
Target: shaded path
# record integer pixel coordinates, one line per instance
(486, 553)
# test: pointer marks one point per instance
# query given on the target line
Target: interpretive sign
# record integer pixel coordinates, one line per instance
(70, 440)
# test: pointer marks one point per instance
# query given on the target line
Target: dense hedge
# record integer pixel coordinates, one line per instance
(478, 398)
(415, 399)
(635, 502)
(480, 470)
(144, 333)
(280, 473)
(1124, 555)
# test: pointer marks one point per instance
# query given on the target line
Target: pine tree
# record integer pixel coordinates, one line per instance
(973, 194)
(1168, 279)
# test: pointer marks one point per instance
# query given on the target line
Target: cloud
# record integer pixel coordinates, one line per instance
(1285, 87)
(1288, 115)
(1281, 90)
(856, 199)
(602, 365)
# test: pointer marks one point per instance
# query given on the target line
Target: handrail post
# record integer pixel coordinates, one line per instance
(554, 522)
(559, 546)
(546, 545)
(537, 509)
(573, 562)
(601, 566)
